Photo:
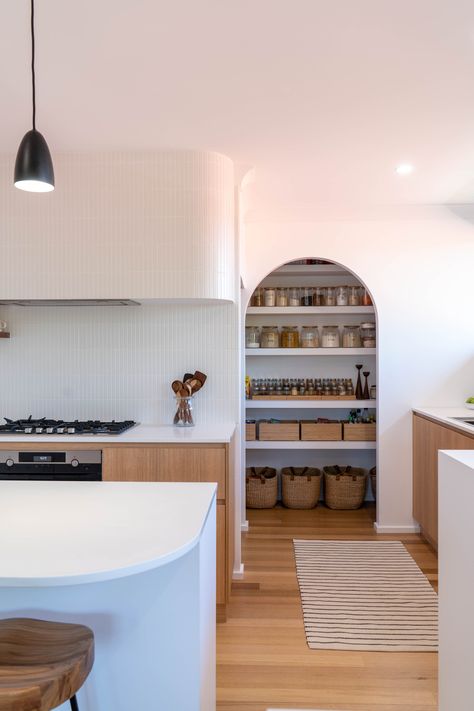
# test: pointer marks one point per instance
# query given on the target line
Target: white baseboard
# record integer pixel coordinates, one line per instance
(244, 527)
(238, 573)
(396, 529)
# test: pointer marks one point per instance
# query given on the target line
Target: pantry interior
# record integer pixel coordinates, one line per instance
(308, 325)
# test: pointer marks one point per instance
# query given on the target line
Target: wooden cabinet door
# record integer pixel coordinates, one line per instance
(166, 464)
(221, 595)
(428, 439)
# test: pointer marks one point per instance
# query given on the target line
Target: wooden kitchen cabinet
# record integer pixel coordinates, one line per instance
(428, 438)
(188, 463)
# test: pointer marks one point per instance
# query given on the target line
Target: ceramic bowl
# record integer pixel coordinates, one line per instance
(469, 405)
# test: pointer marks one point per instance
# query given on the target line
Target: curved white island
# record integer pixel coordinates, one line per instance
(134, 562)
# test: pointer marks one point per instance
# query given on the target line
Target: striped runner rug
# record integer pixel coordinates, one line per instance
(369, 596)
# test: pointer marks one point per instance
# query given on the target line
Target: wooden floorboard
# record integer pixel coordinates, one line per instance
(263, 660)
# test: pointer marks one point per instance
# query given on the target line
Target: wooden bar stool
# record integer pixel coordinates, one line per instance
(42, 664)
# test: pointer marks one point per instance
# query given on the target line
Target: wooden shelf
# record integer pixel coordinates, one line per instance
(300, 444)
(308, 310)
(310, 351)
(4, 334)
(308, 404)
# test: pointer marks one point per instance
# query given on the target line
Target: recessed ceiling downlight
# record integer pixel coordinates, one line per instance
(404, 169)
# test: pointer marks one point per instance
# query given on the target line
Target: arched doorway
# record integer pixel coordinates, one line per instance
(310, 383)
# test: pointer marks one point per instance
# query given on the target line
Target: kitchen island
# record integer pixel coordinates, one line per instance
(134, 563)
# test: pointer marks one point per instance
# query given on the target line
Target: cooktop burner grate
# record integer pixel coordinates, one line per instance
(46, 426)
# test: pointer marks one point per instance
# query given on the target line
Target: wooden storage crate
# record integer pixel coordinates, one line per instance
(283, 430)
(359, 431)
(321, 431)
(250, 431)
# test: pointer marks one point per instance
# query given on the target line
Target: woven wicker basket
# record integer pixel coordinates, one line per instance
(262, 487)
(344, 487)
(300, 487)
(373, 481)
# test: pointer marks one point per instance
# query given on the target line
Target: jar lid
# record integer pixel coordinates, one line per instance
(350, 325)
(274, 328)
(369, 324)
(334, 327)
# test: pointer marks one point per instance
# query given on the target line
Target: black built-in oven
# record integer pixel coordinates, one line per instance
(71, 465)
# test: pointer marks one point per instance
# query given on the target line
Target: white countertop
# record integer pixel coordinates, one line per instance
(67, 533)
(150, 434)
(443, 415)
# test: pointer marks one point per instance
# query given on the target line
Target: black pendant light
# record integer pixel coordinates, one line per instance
(33, 167)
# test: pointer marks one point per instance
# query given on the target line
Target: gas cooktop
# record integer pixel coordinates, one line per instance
(58, 427)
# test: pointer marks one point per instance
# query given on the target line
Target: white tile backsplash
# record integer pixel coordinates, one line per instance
(110, 362)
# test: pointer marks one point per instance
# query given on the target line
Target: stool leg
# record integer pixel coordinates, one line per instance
(73, 702)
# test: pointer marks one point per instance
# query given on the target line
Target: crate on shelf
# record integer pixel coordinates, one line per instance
(250, 430)
(279, 430)
(314, 431)
(359, 431)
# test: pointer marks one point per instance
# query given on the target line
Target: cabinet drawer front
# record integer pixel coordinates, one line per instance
(167, 464)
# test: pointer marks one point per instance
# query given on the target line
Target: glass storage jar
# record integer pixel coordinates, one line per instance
(270, 337)
(257, 298)
(330, 296)
(318, 296)
(306, 296)
(290, 337)
(331, 337)
(293, 296)
(342, 297)
(269, 298)
(365, 298)
(351, 337)
(309, 337)
(252, 337)
(367, 334)
(282, 297)
(353, 295)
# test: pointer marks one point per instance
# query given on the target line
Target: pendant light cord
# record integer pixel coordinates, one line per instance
(33, 80)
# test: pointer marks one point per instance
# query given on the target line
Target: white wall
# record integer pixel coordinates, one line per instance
(419, 267)
(117, 362)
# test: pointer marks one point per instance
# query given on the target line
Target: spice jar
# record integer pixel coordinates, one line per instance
(269, 298)
(373, 392)
(309, 337)
(318, 296)
(367, 333)
(353, 295)
(252, 337)
(270, 337)
(331, 338)
(293, 296)
(330, 296)
(365, 299)
(257, 298)
(290, 337)
(306, 297)
(282, 297)
(342, 297)
(351, 337)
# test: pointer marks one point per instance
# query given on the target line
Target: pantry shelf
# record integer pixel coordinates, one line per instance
(310, 270)
(307, 405)
(299, 444)
(308, 310)
(310, 351)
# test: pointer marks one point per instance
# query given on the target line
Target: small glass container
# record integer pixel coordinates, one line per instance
(351, 337)
(252, 337)
(282, 297)
(306, 296)
(349, 386)
(353, 295)
(293, 296)
(331, 337)
(309, 337)
(342, 297)
(373, 392)
(365, 298)
(184, 412)
(269, 297)
(257, 298)
(318, 296)
(270, 337)
(330, 296)
(367, 334)
(290, 337)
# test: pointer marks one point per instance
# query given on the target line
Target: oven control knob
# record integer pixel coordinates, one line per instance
(9, 462)
(74, 462)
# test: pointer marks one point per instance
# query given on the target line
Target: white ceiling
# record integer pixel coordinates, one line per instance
(324, 98)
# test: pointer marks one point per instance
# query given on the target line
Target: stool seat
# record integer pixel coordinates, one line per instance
(42, 664)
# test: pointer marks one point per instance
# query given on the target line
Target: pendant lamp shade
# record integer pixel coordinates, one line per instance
(33, 167)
